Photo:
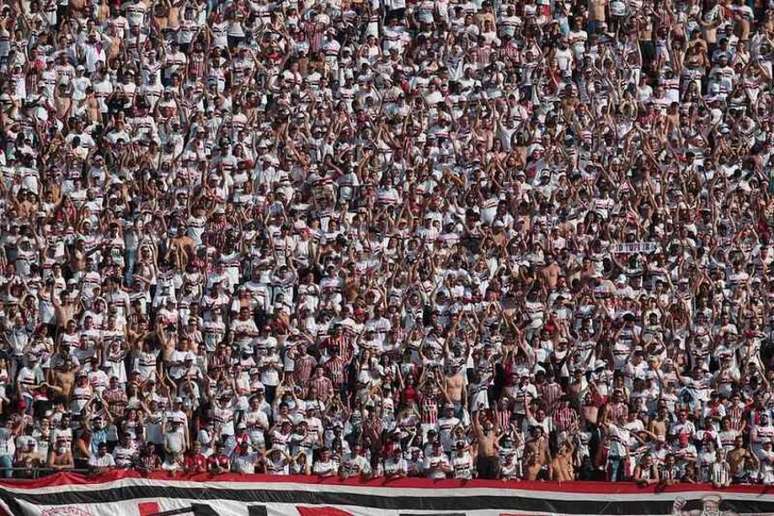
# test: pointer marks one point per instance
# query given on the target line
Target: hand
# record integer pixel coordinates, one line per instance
(678, 504)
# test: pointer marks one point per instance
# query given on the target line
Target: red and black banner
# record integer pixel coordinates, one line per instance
(127, 493)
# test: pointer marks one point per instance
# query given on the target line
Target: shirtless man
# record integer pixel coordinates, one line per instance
(561, 467)
(538, 445)
(61, 379)
(742, 17)
(93, 112)
(64, 308)
(551, 272)
(454, 387)
(63, 102)
(181, 248)
(645, 36)
(167, 341)
(533, 466)
(660, 424)
(60, 457)
(114, 43)
(487, 462)
(737, 456)
(597, 14)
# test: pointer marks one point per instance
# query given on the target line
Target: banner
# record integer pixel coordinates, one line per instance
(634, 247)
(127, 493)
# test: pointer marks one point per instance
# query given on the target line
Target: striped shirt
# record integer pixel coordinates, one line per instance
(670, 473)
(720, 473)
(429, 410)
(736, 417)
(550, 392)
(727, 439)
(323, 385)
(336, 368)
(303, 369)
(617, 410)
(565, 418)
(504, 418)
(483, 54)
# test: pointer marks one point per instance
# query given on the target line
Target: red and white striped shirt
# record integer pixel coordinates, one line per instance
(617, 409)
(323, 386)
(565, 418)
(303, 369)
(336, 368)
(504, 418)
(429, 410)
(550, 392)
(736, 418)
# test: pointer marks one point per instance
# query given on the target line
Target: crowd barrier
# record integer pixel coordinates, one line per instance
(129, 493)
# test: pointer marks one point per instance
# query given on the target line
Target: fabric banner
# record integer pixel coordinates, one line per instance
(129, 494)
(635, 247)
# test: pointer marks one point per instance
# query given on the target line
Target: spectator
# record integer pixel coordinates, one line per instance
(196, 461)
(60, 457)
(244, 460)
(124, 452)
(101, 459)
(437, 464)
(326, 466)
(218, 462)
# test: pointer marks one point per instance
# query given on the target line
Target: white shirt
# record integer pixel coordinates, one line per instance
(106, 461)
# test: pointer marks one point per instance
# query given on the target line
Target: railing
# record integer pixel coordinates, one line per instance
(40, 471)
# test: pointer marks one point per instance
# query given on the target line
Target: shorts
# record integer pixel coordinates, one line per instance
(488, 467)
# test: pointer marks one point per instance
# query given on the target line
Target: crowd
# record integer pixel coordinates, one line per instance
(441, 239)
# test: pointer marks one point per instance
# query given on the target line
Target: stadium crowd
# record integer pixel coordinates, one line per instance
(447, 239)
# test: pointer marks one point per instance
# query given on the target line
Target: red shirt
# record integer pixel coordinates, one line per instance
(196, 463)
(242, 438)
(217, 460)
(409, 393)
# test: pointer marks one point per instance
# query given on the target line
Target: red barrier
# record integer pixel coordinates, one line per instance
(413, 483)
